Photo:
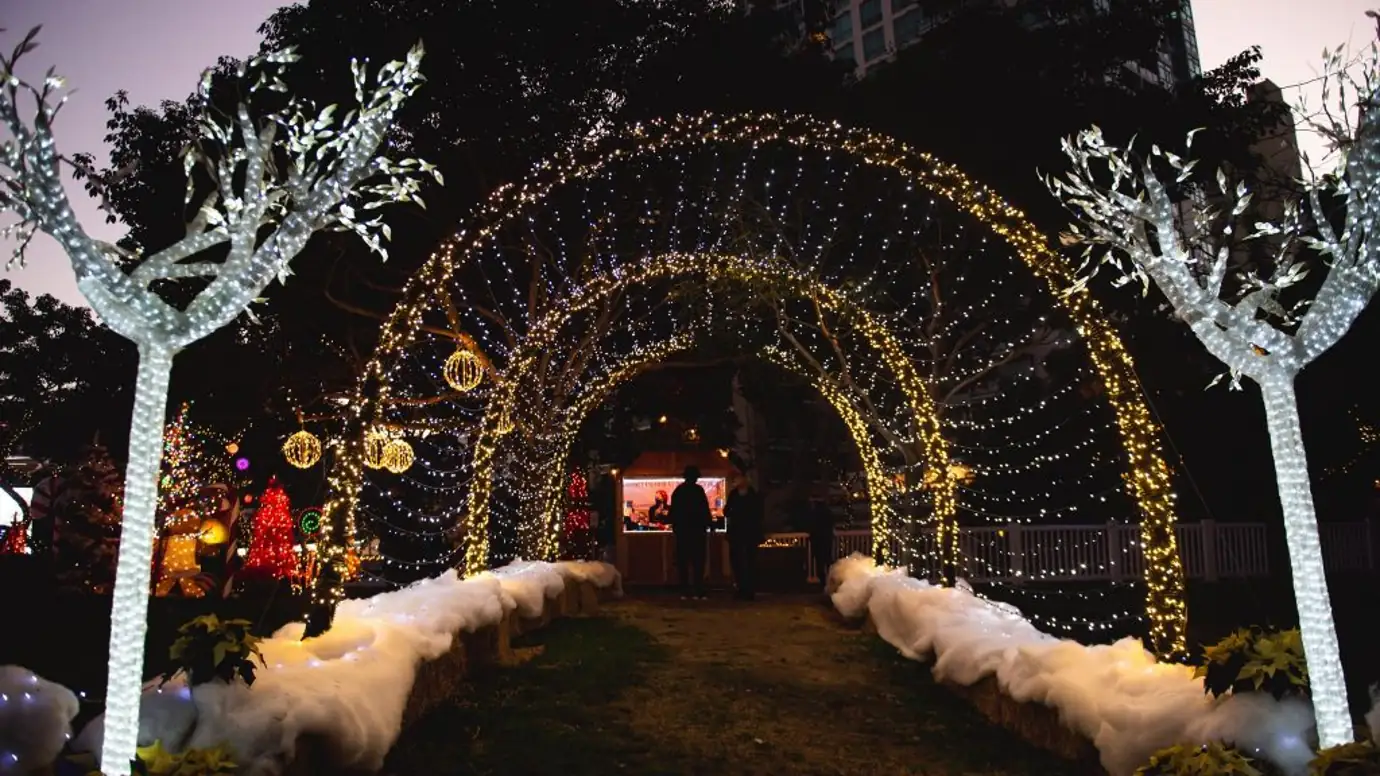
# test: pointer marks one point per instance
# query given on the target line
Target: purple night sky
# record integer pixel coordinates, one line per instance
(156, 49)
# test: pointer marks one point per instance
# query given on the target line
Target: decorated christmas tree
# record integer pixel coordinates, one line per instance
(86, 522)
(577, 535)
(15, 538)
(270, 551)
(191, 465)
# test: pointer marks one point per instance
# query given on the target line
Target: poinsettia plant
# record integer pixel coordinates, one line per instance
(1249, 660)
(1361, 758)
(210, 649)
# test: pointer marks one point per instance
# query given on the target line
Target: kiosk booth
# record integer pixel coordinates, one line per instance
(645, 548)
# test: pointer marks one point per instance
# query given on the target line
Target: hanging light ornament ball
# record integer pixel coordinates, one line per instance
(375, 441)
(302, 449)
(463, 371)
(398, 456)
(505, 424)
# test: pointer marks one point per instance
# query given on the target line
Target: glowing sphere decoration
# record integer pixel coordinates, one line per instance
(463, 371)
(213, 533)
(375, 441)
(242, 464)
(302, 449)
(398, 456)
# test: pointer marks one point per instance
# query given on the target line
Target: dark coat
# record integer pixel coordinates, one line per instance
(689, 509)
(821, 522)
(744, 513)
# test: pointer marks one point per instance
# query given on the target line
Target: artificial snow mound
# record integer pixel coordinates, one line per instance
(1118, 696)
(349, 687)
(35, 720)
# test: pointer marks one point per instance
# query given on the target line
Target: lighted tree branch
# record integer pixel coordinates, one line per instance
(1128, 219)
(277, 177)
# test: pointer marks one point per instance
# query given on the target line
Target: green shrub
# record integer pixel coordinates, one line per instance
(209, 649)
(1251, 661)
(1358, 759)
(1213, 759)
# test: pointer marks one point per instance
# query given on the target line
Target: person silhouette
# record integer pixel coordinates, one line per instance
(690, 527)
(743, 511)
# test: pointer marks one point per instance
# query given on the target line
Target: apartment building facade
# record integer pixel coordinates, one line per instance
(869, 33)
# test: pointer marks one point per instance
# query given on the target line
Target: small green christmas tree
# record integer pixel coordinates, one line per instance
(86, 512)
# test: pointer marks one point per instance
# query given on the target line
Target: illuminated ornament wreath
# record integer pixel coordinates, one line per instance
(505, 423)
(397, 456)
(463, 371)
(375, 442)
(302, 449)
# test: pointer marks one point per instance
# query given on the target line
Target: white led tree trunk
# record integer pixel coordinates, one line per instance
(1185, 249)
(275, 179)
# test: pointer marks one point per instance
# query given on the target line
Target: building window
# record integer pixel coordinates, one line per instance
(843, 29)
(869, 13)
(909, 27)
(874, 44)
(899, 6)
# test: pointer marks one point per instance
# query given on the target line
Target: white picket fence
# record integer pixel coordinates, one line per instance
(1112, 553)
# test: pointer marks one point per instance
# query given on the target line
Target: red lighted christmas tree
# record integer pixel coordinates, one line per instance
(16, 539)
(270, 551)
(577, 536)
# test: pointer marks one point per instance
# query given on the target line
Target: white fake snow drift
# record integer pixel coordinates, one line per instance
(1117, 696)
(348, 687)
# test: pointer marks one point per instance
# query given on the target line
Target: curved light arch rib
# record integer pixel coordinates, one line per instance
(1147, 478)
(879, 487)
(933, 451)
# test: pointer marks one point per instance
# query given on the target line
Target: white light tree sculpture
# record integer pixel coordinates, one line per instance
(276, 179)
(1126, 214)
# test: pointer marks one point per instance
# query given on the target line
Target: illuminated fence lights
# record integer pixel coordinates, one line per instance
(669, 148)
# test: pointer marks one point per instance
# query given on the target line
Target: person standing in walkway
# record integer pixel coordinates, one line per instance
(690, 526)
(743, 511)
(821, 526)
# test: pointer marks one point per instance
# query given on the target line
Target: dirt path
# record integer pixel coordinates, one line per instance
(658, 686)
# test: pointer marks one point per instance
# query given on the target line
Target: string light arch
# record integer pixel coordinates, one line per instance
(932, 451)
(665, 146)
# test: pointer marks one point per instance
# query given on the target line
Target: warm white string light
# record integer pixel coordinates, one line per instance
(614, 202)
(1185, 248)
(291, 170)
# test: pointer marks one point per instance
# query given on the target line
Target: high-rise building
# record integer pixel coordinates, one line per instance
(868, 33)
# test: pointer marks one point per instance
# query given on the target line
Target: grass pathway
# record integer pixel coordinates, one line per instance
(657, 686)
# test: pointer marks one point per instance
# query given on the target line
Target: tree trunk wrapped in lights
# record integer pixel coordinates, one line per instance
(1185, 249)
(276, 177)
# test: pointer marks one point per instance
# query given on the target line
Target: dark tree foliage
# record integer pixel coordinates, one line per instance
(508, 84)
(996, 88)
(680, 405)
(511, 83)
(63, 379)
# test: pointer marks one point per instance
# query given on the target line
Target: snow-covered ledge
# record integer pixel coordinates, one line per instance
(1118, 697)
(341, 700)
